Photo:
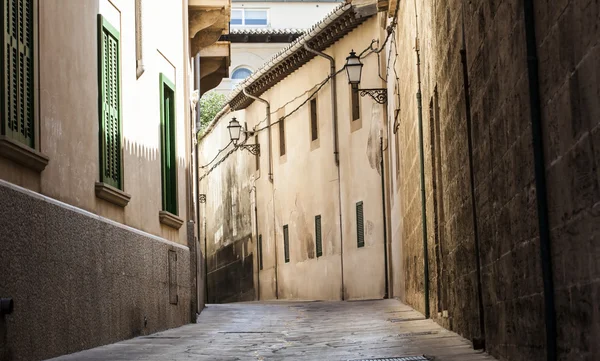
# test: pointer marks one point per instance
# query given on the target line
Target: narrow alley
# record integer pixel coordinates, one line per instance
(360, 330)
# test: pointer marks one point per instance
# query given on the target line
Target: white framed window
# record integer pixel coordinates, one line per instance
(241, 73)
(238, 75)
(249, 17)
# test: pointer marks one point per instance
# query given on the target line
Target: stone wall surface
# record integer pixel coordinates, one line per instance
(503, 171)
(568, 38)
(79, 280)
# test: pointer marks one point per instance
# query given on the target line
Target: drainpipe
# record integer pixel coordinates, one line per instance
(196, 180)
(540, 180)
(268, 111)
(385, 256)
(478, 343)
(422, 163)
(336, 147)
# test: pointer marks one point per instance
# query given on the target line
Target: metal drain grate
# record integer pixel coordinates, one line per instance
(406, 358)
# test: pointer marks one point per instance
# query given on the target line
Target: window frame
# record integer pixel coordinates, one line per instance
(282, 145)
(314, 119)
(103, 24)
(360, 225)
(286, 243)
(31, 142)
(260, 253)
(354, 103)
(318, 236)
(171, 206)
(243, 11)
(238, 69)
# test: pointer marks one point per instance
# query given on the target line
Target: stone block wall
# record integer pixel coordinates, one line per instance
(568, 38)
(503, 171)
(79, 281)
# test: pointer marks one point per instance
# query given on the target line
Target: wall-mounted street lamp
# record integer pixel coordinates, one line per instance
(235, 132)
(354, 71)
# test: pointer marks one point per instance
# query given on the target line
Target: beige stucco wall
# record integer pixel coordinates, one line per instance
(68, 107)
(282, 15)
(305, 183)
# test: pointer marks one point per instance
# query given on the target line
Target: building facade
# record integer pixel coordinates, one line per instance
(259, 29)
(490, 167)
(299, 220)
(97, 219)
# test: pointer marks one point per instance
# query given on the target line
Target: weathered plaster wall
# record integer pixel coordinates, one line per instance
(68, 108)
(305, 184)
(505, 192)
(79, 280)
(227, 220)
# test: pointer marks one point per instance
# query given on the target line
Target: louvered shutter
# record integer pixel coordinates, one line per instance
(110, 126)
(360, 225)
(318, 240)
(260, 252)
(286, 244)
(168, 157)
(17, 64)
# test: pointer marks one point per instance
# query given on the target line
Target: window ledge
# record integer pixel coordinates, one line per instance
(112, 194)
(169, 219)
(22, 154)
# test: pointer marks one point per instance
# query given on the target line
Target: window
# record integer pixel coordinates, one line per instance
(110, 105)
(286, 244)
(241, 73)
(237, 17)
(282, 136)
(260, 253)
(355, 102)
(318, 240)
(257, 155)
(249, 17)
(360, 225)
(167, 145)
(314, 125)
(16, 97)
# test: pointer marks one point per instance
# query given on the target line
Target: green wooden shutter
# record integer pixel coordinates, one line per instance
(260, 252)
(360, 225)
(168, 156)
(314, 125)
(286, 243)
(110, 105)
(318, 240)
(17, 65)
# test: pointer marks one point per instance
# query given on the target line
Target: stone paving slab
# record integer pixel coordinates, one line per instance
(304, 331)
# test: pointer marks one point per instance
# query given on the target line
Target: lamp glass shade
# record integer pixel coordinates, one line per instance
(353, 68)
(235, 129)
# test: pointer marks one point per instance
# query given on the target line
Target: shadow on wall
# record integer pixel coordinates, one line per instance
(231, 255)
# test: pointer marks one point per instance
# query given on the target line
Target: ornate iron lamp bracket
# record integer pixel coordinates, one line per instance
(378, 94)
(254, 149)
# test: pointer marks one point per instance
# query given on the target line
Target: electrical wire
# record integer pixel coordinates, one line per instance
(216, 156)
(390, 30)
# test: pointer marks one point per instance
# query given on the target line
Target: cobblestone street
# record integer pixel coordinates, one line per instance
(295, 331)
